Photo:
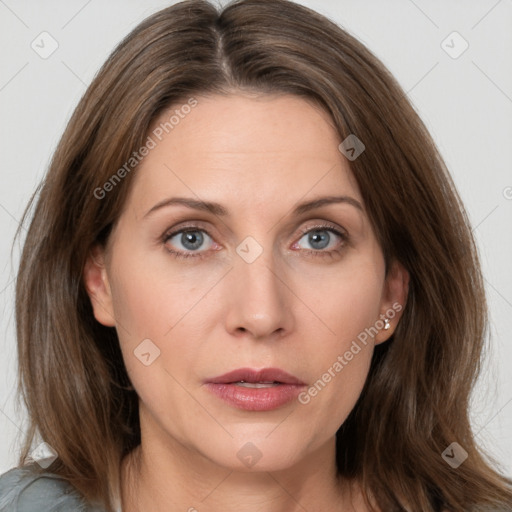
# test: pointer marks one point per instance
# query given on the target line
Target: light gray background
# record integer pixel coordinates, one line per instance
(466, 103)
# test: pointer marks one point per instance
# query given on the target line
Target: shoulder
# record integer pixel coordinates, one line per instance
(28, 490)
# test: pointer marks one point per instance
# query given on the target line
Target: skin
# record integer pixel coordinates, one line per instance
(258, 156)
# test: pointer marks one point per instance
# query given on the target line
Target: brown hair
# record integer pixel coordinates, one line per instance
(416, 399)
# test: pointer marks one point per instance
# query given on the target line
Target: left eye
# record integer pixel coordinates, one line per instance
(319, 238)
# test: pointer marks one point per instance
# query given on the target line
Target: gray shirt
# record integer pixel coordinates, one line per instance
(24, 490)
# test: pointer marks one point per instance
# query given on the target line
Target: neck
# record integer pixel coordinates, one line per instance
(162, 474)
(166, 475)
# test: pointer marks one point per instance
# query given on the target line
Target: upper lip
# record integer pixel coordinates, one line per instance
(254, 376)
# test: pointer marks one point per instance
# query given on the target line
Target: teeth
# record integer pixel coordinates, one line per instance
(257, 384)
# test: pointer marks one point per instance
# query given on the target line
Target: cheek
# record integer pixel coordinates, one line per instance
(347, 299)
(350, 313)
(157, 313)
(341, 372)
(154, 298)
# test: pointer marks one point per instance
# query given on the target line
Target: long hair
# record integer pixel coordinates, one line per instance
(416, 399)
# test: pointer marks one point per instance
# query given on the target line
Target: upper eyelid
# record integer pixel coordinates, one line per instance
(325, 225)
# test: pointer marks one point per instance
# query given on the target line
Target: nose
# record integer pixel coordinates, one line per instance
(260, 303)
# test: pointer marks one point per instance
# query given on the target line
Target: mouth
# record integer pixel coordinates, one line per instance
(256, 385)
(265, 376)
(256, 390)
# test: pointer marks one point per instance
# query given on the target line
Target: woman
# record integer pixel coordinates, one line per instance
(249, 283)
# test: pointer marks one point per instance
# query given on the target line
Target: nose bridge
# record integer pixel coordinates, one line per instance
(259, 302)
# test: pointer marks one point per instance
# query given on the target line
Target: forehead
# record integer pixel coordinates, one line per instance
(243, 150)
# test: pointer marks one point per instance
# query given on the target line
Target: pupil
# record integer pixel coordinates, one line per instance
(192, 240)
(320, 237)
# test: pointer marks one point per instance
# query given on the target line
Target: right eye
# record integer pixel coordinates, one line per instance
(190, 238)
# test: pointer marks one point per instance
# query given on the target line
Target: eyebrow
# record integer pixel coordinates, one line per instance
(218, 209)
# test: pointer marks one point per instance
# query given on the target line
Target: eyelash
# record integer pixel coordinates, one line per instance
(203, 254)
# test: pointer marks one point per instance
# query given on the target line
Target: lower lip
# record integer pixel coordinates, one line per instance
(255, 399)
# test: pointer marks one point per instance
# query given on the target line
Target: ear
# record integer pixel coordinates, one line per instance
(98, 287)
(394, 297)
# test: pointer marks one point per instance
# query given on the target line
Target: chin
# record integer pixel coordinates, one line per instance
(255, 453)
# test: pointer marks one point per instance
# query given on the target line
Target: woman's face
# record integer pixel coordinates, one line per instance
(272, 277)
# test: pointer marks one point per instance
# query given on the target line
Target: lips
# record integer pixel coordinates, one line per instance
(265, 375)
(255, 390)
